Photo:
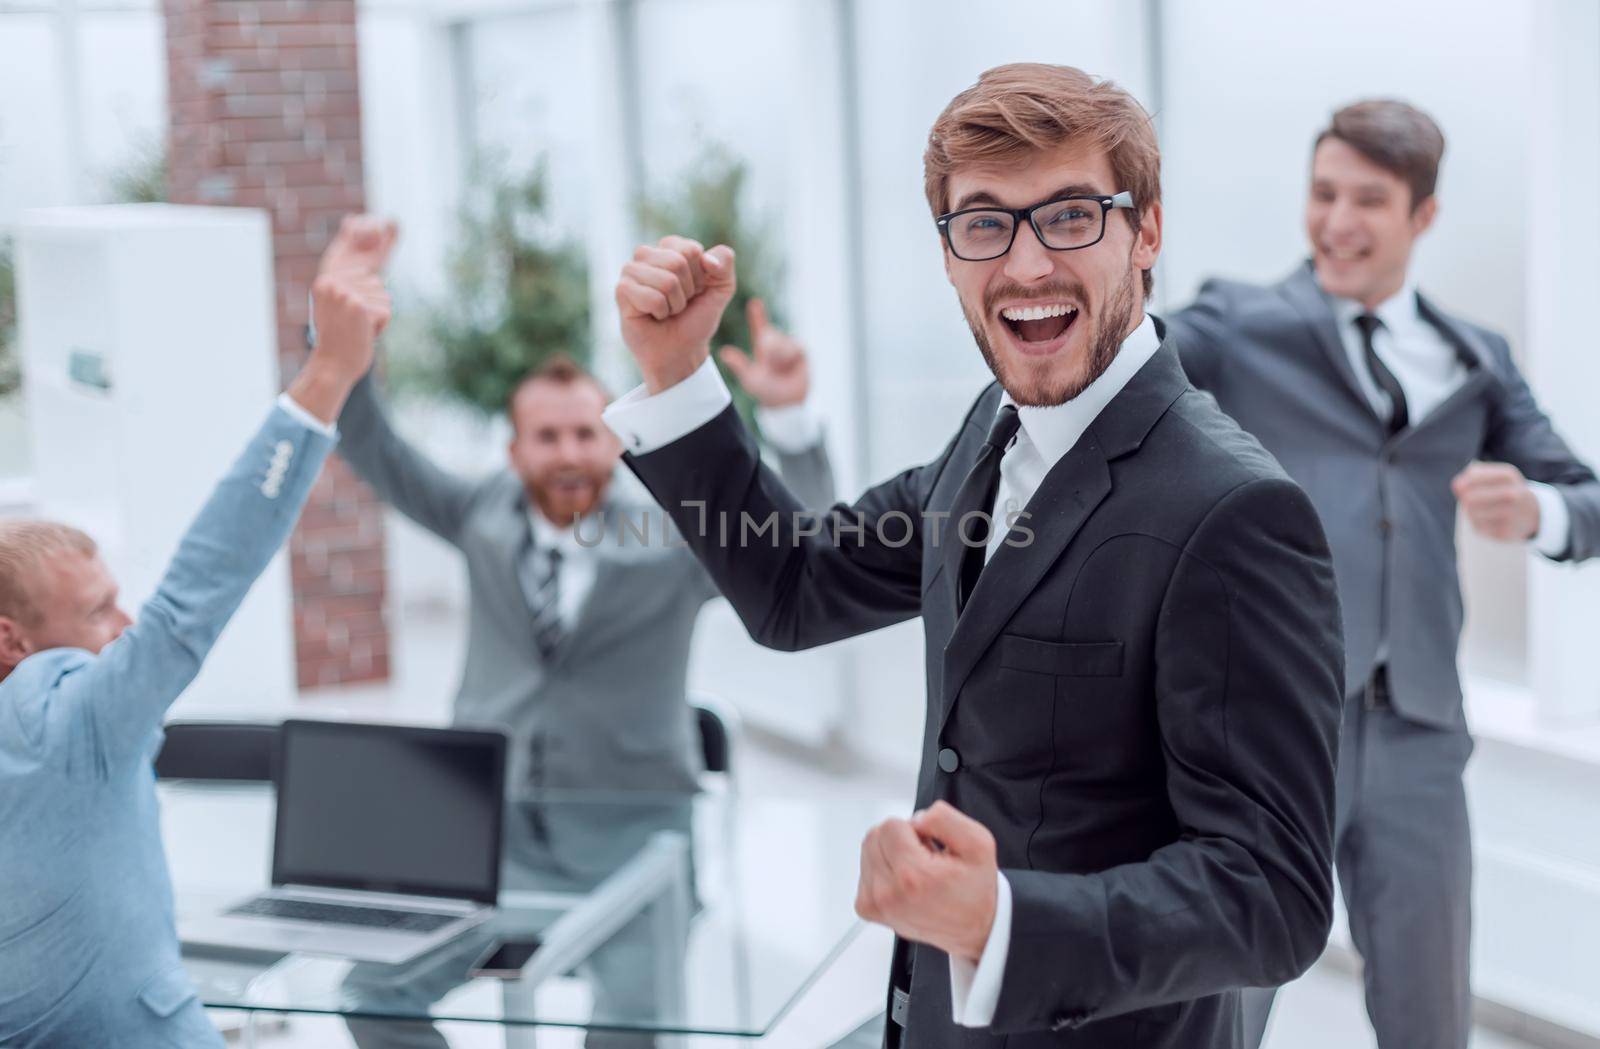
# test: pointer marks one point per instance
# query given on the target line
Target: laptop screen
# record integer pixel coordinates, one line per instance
(390, 808)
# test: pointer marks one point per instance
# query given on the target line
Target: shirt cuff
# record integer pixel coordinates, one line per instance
(793, 428)
(645, 422)
(975, 989)
(293, 409)
(1554, 536)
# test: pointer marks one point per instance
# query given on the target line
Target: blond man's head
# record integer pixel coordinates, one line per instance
(55, 592)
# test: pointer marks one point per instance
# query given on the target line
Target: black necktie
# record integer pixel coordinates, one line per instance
(1399, 417)
(977, 495)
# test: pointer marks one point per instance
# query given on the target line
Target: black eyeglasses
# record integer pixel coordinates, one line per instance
(1062, 224)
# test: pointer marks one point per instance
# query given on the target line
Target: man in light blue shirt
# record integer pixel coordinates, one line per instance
(88, 949)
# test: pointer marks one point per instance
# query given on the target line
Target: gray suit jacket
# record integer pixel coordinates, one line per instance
(1273, 359)
(608, 710)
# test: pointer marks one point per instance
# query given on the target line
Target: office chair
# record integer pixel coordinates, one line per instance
(240, 751)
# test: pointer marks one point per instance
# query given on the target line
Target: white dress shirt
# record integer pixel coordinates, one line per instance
(646, 422)
(305, 418)
(1428, 370)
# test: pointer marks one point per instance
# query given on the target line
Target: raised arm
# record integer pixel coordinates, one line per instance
(794, 580)
(104, 710)
(401, 475)
(777, 373)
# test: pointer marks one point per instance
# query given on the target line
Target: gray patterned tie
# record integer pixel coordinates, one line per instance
(543, 586)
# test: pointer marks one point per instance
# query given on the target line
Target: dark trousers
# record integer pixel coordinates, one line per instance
(1404, 859)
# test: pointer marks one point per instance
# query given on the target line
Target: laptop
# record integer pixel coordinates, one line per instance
(387, 844)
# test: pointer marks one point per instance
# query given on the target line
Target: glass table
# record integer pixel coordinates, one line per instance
(657, 915)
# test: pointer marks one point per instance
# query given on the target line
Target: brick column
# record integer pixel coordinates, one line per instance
(266, 113)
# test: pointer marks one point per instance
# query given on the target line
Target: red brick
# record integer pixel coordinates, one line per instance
(281, 126)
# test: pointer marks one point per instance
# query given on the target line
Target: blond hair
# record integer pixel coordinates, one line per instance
(26, 546)
(1026, 107)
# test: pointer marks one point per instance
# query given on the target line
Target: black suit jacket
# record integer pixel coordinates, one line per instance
(1142, 704)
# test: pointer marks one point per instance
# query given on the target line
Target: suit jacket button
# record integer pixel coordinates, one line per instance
(949, 760)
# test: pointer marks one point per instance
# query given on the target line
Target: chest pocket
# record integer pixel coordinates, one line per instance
(1064, 701)
(1015, 732)
(1061, 658)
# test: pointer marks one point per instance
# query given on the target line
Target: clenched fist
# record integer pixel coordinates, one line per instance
(351, 309)
(362, 245)
(932, 879)
(671, 297)
(1497, 501)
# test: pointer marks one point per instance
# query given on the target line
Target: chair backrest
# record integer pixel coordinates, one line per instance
(716, 735)
(220, 750)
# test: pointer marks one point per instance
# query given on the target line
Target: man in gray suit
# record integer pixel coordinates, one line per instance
(583, 602)
(1391, 413)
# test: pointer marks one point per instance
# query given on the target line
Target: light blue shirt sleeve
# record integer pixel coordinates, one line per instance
(105, 709)
(975, 989)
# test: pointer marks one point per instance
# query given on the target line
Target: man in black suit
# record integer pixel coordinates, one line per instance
(1125, 805)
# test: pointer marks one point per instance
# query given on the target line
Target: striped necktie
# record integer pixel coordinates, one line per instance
(542, 575)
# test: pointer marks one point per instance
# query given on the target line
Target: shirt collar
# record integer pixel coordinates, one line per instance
(548, 535)
(1398, 312)
(1055, 429)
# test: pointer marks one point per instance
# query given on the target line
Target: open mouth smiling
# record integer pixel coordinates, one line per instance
(1039, 328)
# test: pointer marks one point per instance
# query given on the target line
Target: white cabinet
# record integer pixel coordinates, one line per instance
(148, 337)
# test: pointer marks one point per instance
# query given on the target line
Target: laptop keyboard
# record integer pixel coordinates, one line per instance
(343, 914)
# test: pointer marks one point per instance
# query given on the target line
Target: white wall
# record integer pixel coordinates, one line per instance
(921, 365)
(1249, 83)
(111, 83)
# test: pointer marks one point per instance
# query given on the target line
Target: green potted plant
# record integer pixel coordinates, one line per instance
(707, 204)
(519, 293)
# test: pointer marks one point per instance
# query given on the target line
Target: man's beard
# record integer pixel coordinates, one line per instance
(558, 506)
(1105, 341)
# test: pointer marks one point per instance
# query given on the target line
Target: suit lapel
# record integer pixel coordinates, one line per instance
(1078, 483)
(1473, 353)
(515, 530)
(1481, 376)
(1306, 296)
(1071, 491)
